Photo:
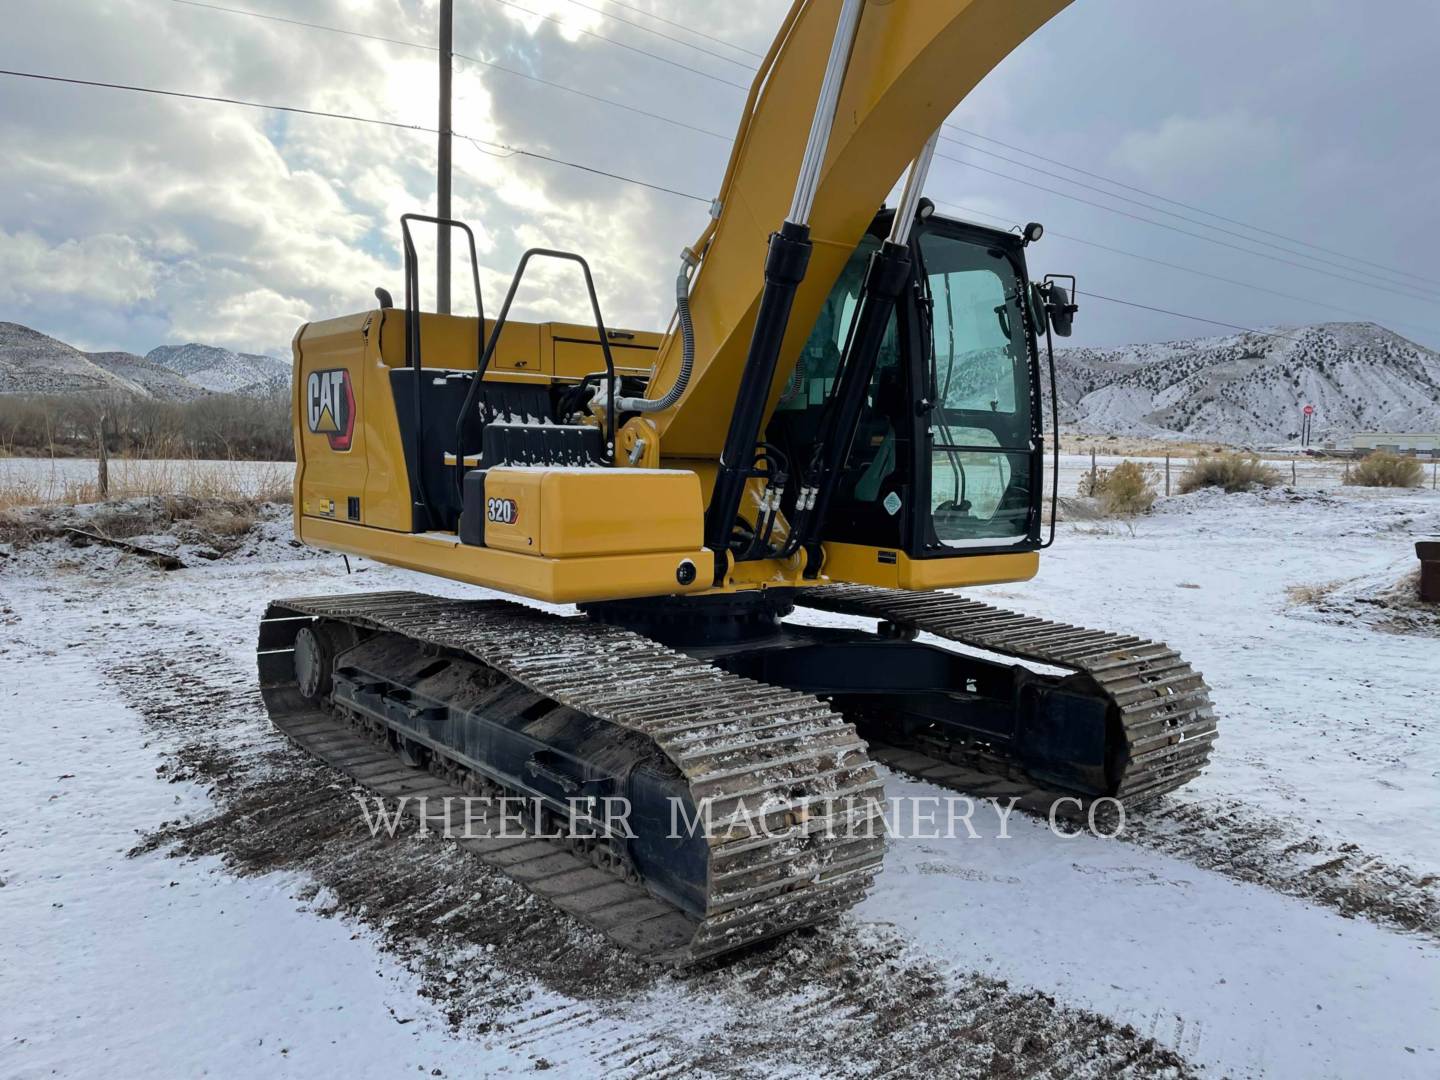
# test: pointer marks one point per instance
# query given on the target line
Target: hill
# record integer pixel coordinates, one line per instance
(35, 363)
(220, 370)
(158, 382)
(1250, 387)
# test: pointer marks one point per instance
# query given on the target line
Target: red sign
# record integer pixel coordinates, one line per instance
(1309, 410)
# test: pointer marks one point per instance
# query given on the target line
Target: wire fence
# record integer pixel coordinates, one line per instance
(1299, 472)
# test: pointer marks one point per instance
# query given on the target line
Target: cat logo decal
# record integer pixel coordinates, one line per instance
(330, 406)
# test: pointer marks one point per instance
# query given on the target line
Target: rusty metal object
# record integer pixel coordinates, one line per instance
(1428, 552)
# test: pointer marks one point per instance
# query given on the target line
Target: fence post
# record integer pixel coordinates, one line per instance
(1092, 472)
(1167, 474)
(1294, 480)
(1434, 472)
(103, 465)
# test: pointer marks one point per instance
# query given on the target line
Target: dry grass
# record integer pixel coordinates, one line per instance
(1229, 471)
(1311, 594)
(1384, 469)
(229, 522)
(227, 482)
(1118, 445)
(17, 491)
(219, 524)
(1124, 491)
(214, 503)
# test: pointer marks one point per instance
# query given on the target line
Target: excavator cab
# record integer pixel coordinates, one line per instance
(947, 453)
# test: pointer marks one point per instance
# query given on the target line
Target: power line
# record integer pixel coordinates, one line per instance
(216, 99)
(307, 25)
(459, 56)
(593, 97)
(1182, 315)
(648, 30)
(718, 135)
(1185, 232)
(689, 29)
(589, 169)
(1053, 161)
(513, 151)
(1248, 286)
(1409, 290)
(622, 45)
(1177, 202)
(1172, 213)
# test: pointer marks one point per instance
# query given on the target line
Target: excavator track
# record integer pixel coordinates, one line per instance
(739, 745)
(1161, 703)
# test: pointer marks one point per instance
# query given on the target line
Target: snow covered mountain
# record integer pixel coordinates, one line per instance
(35, 363)
(158, 382)
(220, 370)
(1251, 387)
(1245, 388)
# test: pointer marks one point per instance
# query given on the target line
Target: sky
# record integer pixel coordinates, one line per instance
(129, 221)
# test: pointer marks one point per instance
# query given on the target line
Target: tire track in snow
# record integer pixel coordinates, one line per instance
(1230, 838)
(498, 962)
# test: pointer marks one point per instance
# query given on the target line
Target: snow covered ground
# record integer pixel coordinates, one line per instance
(128, 706)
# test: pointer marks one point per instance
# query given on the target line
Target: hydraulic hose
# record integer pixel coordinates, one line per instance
(687, 348)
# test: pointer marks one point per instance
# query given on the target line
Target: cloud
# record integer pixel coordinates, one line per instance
(100, 269)
(128, 221)
(124, 213)
(1203, 148)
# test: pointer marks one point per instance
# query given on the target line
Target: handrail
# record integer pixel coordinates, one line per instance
(412, 336)
(1055, 434)
(483, 364)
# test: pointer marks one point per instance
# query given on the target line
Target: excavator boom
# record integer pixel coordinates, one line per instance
(912, 62)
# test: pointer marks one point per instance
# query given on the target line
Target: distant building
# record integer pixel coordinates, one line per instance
(1396, 443)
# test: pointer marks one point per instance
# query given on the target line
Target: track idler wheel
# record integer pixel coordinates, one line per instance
(316, 647)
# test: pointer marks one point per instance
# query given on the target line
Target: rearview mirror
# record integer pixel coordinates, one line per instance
(1057, 303)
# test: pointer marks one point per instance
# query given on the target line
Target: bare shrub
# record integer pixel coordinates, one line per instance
(1231, 472)
(1384, 469)
(223, 426)
(1124, 491)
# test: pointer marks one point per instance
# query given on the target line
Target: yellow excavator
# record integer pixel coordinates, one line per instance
(844, 418)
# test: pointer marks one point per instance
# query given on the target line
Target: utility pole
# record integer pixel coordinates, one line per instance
(442, 178)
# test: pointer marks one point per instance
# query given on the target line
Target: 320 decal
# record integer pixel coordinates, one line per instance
(501, 511)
